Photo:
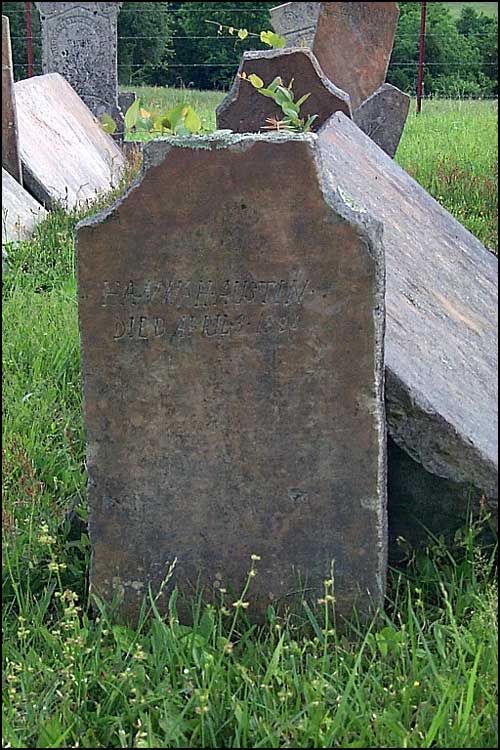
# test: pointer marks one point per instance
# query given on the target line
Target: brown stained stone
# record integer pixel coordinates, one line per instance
(10, 142)
(442, 315)
(67, 158)
(353, 45)
(383, 117)
(244, 110)
(232, 335)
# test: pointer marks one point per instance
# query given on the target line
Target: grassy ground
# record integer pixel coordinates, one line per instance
(422, 674)
(490, 9)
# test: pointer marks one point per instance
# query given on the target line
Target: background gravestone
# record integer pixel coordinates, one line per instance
(79, 41)
(296, 22)
(442, 332)
(244, 110)
(233, 377)
(10, 145)
(383, 116)
(353, 45)
(67, 158)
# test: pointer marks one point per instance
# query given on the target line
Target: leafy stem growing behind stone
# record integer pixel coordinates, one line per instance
(283, 96)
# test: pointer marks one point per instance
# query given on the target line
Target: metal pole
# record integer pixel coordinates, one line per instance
(421, 58)
(29, 39)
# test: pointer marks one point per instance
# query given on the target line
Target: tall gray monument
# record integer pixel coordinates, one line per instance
(79, 41)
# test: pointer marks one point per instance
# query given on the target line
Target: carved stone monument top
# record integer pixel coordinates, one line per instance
(296, 22)
(79, 41)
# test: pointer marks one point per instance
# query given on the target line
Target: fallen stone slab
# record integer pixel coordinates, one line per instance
(244, 110)
(233, 378)
(20, 212)
(383, 117)
(66, 156)
(353, 45)
(296, 22)
(442, 315)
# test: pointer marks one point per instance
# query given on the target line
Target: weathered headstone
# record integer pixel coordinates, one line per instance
(353, 45)
(10, 146)
(79, 41)
(20, 212)
(67, 158)
(296, 22)
(442, 306)
(233, 360)
(383, 116)
(244, 110)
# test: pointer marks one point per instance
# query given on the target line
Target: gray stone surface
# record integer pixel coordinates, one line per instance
(383, 117)
(126, 99)
(79, 41)
(442, 296)
(10, 142)
(20, 212)
(233, 378)
(244, 110)
(353, 45)
(296, 22)
(67, 158)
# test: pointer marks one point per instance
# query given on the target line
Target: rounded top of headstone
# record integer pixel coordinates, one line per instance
(55, 9)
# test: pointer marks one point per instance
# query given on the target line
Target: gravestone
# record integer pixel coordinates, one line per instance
(20, 212)
(244, 110)
(79, 41)
(441, 339)
(353, 45)
(296, 22)
(10, 146)
(67, 158)
(232, 365)
(383, 117)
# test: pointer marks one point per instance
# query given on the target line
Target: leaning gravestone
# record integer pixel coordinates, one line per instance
(67, 157)
(353, 45)
(232, 363)
(79, 41)
(442, 328)
(10, 143)
(383, 116)
(20, 212)
(244, 110)
(296, 22)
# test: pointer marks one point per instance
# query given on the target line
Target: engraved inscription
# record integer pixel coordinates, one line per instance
(183, 308)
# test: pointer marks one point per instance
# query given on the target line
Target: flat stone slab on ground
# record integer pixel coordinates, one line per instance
(442, 308)
(383, 117)
(296, 22)
(244, 110)
(67, 158)
(353, 45)
(233, 377)
(20, 212)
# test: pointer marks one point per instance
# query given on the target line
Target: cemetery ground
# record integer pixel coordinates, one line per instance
(423, 673)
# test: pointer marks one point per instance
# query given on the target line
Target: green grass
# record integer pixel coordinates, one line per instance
(489, 9)
(422, 674)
